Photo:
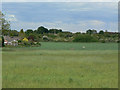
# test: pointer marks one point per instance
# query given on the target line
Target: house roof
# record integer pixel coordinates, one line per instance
(9, 39)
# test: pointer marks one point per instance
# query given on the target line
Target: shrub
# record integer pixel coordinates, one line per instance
(52, 36)
(0, 42)
(26, 43)
(103, 41)
(32, 37)
(118, 41)
(25, 40)
(19, 41)
(45, 38)
(85, 38)
(38, 43)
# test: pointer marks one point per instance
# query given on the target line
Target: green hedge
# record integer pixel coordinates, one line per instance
(85, 38)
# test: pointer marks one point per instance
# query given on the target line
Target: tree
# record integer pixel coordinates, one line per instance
(29, 31)
(13, 33)
(55, 31)
(42, 30)
(32, 37)
(21, 33)
(4, 24)
(5, 32)
(94, 31)
(101, 32)
(91, 31)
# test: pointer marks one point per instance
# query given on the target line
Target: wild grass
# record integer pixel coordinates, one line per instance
(58, 67)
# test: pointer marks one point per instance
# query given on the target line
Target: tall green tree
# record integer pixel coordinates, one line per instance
(42, 30)
(91, 31)
(22, 33)
(28, 32)
(55, 31)
(101, 32)
(4, 24)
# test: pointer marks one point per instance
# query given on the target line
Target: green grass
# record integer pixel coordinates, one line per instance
(55, 65)
(78, 46)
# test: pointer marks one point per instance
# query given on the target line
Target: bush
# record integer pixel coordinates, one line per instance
(118, 41)
(45, 38)
(85, 38)
(52, 36)
(29, 44)
(38, 43)
(0, 42)
(103, 41)
(25, 40)
(26, 43)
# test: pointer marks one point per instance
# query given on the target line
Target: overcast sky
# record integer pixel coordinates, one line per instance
(60, 0)
(68, 16)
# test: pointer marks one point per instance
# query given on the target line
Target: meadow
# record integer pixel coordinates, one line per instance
(61, 65)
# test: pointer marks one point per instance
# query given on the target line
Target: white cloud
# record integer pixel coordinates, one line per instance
(77, 9)
(82, 6)
(96, 23)
(60, 0)
(11, 17)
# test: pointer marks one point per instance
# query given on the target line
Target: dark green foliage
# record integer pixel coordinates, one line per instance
(5, 32)
(32, 37)
(0, 41)
(14, 33)
(19, 41)
(85, 38)
(21, 33)
(26, 43)
(78, 33)
(10, 32)
(91, 31)
(55, 31)
(41, 30)
(118, 41)
(38, 43)
(29, 31)
(52, 36)
(29, 44)
(101, 32)
(103, 41)
(3, 41)
(65, 34)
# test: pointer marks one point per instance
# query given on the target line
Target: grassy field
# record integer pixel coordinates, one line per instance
(61, 65)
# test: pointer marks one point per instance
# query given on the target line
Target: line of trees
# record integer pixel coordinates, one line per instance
(43, 30)
(44, 34)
